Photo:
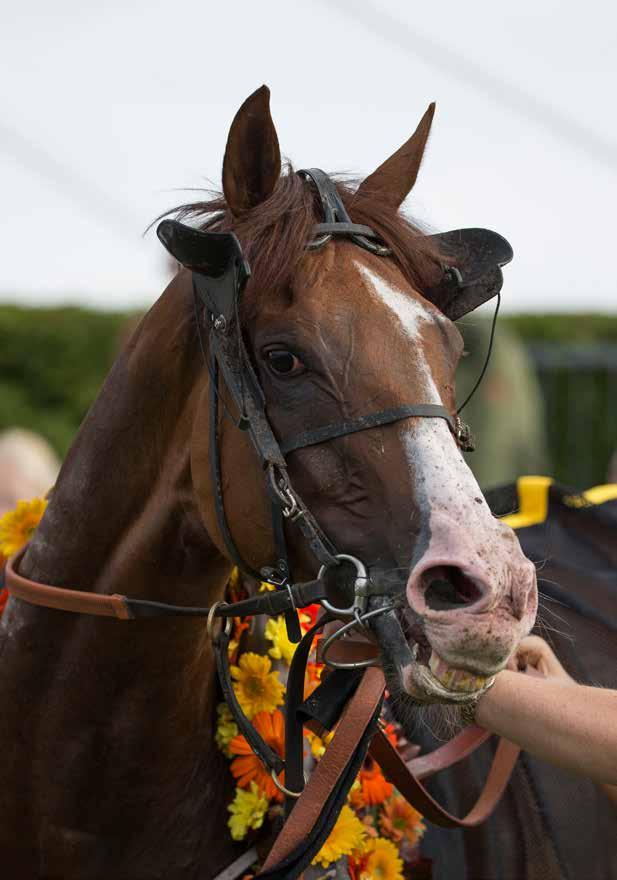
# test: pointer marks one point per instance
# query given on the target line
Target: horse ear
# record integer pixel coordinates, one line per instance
(252, 163)
(394, 179)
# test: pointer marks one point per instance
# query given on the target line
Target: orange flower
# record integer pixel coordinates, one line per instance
(390, 731)
(247, 767)
(240, 625)
(399, 821)
(375, 787)
(312, 679)
(308, 617)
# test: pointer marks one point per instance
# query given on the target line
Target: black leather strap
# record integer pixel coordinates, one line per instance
(336, 220)
(261, 748)
(294, 740)
(215, 471)
(343, 229)
(277, 602)
(248, 397)
(271, 603)
(326, 703)
(292, 621)
(383, 417)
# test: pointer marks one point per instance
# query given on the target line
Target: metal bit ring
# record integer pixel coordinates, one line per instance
(281, 787)
(339, 633)
(227, 626)
(361, 579)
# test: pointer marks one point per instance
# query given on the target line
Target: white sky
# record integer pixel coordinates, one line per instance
(106, 109)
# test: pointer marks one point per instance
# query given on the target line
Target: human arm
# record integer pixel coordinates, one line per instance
(553, 717)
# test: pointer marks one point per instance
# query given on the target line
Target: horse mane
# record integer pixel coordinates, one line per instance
(275, 233)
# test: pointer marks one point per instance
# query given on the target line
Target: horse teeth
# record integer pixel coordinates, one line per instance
(455, 679)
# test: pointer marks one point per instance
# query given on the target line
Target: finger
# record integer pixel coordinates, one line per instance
(536, 652)
(529, 651)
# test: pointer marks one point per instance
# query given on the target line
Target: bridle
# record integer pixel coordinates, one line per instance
(354, 689)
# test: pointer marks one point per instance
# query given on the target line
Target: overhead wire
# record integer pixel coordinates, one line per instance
(82, 191)
(459, 66)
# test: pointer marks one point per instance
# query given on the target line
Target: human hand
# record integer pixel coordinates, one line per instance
(535, 653)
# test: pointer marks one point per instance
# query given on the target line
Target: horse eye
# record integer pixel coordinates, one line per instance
(284, 363)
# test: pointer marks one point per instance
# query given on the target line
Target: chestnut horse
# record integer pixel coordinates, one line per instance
(108, 766)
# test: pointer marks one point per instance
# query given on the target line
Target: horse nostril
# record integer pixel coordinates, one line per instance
(447, 588)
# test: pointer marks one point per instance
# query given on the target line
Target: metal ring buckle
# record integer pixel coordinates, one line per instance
(281, 787)
(210, 621)
(359, 602)
(284, 493)
(292, 510)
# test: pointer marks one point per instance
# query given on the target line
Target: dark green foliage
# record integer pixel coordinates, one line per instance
(575, 359)
(565, 329)
(52, 363)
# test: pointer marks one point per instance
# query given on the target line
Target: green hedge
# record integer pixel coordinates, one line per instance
(52, 363)
(570, 329)
(53, 360)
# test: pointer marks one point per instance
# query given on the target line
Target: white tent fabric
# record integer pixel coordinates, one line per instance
(106, 109)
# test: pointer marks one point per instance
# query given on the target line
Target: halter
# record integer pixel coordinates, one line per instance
(219, 279)
(220, 273)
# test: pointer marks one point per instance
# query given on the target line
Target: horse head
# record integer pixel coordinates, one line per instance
(334, 333)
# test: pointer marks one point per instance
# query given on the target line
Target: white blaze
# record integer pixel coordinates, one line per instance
(430, 449)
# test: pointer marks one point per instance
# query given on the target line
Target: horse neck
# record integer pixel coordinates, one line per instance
(123, 515)
(123, 518)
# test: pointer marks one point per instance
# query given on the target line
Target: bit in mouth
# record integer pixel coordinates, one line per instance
(458, 680)
(422, 673)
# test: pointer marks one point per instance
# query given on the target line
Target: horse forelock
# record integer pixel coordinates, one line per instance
(274, 234)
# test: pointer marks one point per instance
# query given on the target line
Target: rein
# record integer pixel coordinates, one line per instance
(350, 697)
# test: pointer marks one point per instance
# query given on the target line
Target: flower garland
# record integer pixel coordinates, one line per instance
(16, 528)
(377, 831)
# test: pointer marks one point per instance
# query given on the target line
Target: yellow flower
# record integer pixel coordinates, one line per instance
(276, 632)
(248, 810)
(235, 581)
(17, 526)
(226, 728)
(347, 835)
(381, 861)
(317, 743)
(257, 689)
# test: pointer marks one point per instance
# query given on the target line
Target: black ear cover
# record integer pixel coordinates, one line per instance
(472, 261)
(215, 259)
